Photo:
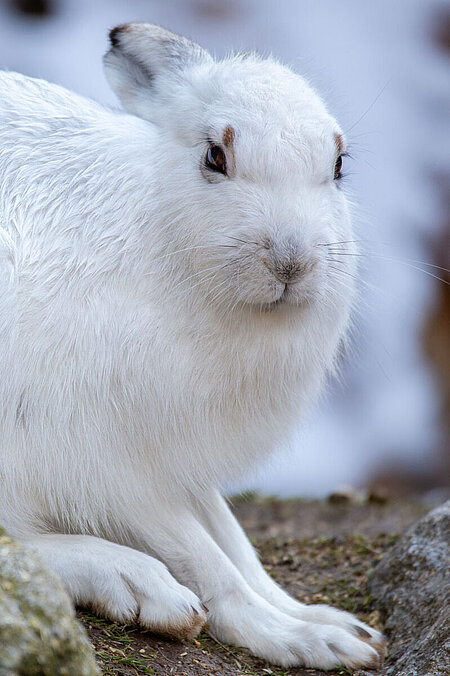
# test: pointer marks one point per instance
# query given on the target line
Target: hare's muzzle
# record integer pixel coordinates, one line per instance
(288, 261)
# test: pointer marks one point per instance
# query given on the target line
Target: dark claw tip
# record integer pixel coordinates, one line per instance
(205, 608)
(195, 610)
(362, 633)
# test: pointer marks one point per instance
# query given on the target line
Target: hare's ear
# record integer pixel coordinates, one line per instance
(142, 57)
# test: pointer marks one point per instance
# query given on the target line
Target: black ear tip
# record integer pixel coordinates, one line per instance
(114, 34)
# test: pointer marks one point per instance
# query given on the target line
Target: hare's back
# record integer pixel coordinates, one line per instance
(30, 100)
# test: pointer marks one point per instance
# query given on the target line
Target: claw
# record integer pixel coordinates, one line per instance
(362, 633)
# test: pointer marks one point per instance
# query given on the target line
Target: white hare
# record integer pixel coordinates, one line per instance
(169, 307)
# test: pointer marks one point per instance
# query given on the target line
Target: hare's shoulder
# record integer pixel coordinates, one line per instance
(40, 103)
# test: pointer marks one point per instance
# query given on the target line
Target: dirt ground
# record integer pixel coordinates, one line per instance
(321, 552)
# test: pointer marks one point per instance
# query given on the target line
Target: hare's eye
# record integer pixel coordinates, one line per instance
(337, 168)
(216, 160)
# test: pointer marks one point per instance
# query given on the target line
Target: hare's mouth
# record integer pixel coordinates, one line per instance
(281, 300)
(289, 298)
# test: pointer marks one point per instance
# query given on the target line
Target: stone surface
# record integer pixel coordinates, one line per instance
(39, 635)
(412, 587)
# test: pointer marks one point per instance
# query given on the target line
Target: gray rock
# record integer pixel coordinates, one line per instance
(39, 635)
(412, 587)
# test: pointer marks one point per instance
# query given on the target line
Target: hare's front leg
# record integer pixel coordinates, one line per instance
(226, 531)
(237, 613)
(121, 583)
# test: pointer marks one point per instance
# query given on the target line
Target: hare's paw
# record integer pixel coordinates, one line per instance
(176, 612)
(329, 647)
(287, 641)
(314, 646)
(138, 588)
(340, 618)
(121, 583)
(173, 610)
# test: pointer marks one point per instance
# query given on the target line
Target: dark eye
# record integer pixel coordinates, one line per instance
(337, 168)
(216, 160)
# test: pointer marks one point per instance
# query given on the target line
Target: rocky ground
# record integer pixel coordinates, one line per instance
(321, 552)
(39, 635)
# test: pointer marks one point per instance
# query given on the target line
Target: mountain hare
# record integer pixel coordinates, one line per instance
(171, 300)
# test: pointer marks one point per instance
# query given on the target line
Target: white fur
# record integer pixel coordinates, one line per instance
(150, 363)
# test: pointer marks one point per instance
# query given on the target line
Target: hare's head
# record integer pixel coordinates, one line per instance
(248, 165)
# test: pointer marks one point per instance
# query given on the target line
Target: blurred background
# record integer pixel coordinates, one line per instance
(384, 70)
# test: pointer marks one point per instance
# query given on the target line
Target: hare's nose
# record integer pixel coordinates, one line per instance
(288, 262)
(288, 271)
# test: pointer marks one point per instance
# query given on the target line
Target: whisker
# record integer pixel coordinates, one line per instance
(218, 290)
(172, 253)
(201, 281)
(209, 276)
(344, 272)
(195, 274)
(347, 241)
(360, 282)
(392, 258)
(244, 241)
(361, 117)
(194, 248)
(408, 262)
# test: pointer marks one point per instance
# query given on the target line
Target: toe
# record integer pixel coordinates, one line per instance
(190, 627)
(372, 637)
(181, 625)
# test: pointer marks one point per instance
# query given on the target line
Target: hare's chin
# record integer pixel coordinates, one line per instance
(288, 300)
(281, 300)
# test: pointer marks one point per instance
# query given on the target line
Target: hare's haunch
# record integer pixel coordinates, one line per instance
(171, 300)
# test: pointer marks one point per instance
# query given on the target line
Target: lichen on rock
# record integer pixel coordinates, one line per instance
(39, 635)
(412, 587)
